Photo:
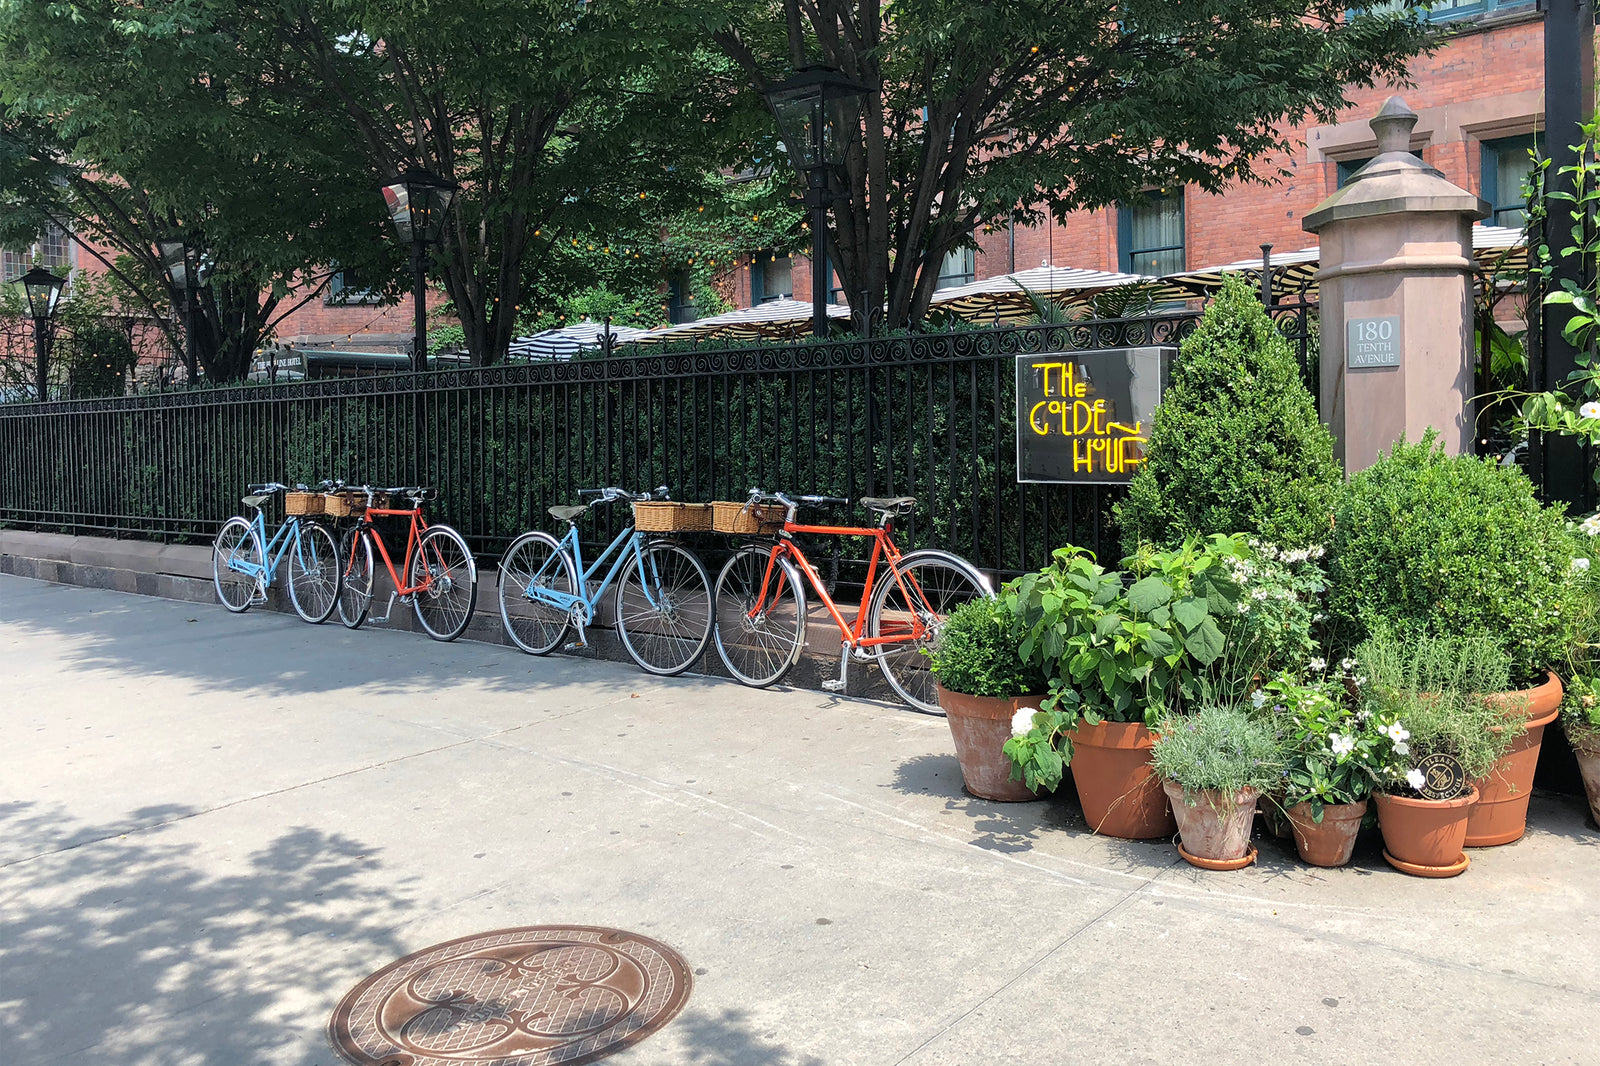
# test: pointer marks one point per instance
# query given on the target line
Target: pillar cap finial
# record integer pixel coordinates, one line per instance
(1393, 124)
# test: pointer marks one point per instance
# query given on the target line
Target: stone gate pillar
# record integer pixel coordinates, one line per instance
(1396, 295)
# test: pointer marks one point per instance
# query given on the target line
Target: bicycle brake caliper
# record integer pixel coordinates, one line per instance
(844, 669)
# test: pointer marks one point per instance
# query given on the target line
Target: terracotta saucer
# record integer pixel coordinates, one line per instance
(1219, 864)
(1427, 871)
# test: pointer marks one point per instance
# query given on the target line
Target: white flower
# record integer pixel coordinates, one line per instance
(1346, 665)
(1342, 744)
(1402, 748)
(1397, 732)
(1022, 721)
(1591, 525)
(1244, 606)
(1318, 664)
(1415, 779)
(1580, 563)
(1589, 410)
(1260, 594)
(1258, 699)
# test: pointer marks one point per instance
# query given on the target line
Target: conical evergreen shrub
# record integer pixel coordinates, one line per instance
(1236, 445)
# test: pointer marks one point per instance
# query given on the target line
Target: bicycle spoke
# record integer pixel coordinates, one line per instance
(446, 581)
(535, 565)
(236, 560)
(760, 623)
(664, 609)
(910, 607)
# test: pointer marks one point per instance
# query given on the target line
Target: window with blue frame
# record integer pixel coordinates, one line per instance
(347, 286)
(771, 278)
(680, 299)
(959, 267)
(1348, 168)
(1150, 233)
(1453, 10)
(1507, 164)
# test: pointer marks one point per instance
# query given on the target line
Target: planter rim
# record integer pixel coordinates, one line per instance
(1466, 799)
(1240, 796)
(1549, 691)
(1337, 811)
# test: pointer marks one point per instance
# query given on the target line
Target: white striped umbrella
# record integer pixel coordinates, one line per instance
(568, 341)
(775, 318)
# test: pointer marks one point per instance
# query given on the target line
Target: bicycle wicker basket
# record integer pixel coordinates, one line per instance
(667, 516)
(303, 503)
(747, 517)
(348, 504)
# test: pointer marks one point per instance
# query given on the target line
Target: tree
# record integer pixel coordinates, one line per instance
(558, 120)
(126, 124)
(1045, 107)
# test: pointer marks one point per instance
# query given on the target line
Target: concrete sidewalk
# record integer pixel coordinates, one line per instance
(215, 825)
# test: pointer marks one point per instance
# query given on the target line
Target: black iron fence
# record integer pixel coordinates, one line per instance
(930, 415)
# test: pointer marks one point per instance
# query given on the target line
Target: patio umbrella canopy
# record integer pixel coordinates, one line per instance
(568, 341)
(776, 318)
(1006, 298)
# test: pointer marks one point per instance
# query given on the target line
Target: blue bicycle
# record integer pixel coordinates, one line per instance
(663, 602)
(244, 561)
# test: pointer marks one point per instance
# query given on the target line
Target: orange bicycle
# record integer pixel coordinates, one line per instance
(441, 576)
(761, 602)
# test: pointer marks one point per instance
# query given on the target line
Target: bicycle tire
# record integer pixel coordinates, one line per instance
(535, 560)
(759, 651)
(446, 563)
(355, 577)
(944, 581)
(669, 636)
(236, 540)
(314, 573)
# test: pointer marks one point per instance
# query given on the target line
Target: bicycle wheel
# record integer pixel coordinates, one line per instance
(314, 573)
(535, 562)
(761, 625)
(355, 577)
(664, 609)
(912, 603)
(445, 563)
(237, 545)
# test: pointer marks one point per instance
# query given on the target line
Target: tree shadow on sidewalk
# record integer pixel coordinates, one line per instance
(138, 950)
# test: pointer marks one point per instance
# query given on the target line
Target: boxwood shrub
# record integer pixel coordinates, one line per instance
(977, 654)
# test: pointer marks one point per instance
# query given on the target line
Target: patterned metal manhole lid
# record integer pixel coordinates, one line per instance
(541, 994)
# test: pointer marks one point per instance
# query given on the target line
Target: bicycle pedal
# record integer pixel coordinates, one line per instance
(576, 645)
(387, 611)
(834, 685)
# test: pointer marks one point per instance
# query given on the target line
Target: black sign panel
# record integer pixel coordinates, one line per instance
(1084, 417)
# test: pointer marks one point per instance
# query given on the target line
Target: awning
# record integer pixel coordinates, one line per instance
(776, 318)
(567, 341)
(1006, 298)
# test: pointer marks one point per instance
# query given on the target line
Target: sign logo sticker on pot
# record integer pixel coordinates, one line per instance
(1442, 777)
(1084, 417)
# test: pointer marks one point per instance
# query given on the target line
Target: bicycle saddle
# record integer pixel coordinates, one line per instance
(568, 512)
(256, 501)
(895, 505)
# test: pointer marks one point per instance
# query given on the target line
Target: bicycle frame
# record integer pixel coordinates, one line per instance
(883, 550)
(272, 550)
(418, 527)
(567, 601)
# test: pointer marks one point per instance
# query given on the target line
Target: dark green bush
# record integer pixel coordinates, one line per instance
(978, 656)
(1236, 445)
(1451, 546)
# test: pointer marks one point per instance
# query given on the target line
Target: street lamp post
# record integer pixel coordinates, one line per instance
(176, 256)
(418, 202)
(43, 290)
(816, 129)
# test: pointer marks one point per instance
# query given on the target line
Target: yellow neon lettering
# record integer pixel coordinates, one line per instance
(1033, 419)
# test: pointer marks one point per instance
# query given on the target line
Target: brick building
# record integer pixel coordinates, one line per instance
(1480, 101)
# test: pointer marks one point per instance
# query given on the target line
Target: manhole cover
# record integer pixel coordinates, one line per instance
(565, 994)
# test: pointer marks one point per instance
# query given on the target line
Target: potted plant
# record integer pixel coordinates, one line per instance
(983, 684)
(1429, 694)
(1335, 754)
(1433, 543)
(1580, 717)
(1120, 657)
(1213, 766)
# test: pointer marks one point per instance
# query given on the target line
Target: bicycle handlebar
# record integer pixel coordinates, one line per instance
(266, 487)
(611, 492)
(794, 502)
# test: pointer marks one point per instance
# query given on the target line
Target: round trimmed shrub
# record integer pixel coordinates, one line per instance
(1426, 544)
(978, 653)
(1236, 445)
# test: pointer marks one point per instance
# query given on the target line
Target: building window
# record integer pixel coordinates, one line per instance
(53, 251)
(958, 268)
(1347, 169)
(771, 278)
(1454, 10)
(680, 299)
(1150, 234)
(349, 286)
(1507, 165)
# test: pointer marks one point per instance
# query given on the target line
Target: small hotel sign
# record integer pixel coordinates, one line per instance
(1372, 342)
(1084, 417)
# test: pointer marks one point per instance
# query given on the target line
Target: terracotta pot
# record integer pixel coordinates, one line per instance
(1217, 827)
(1329, 842)
(980, 726)
(1501, 813)
(1427, 834)
(1273, 817)
(1588, 753)
(1120, 794)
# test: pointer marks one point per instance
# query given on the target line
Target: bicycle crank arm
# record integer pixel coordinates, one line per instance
(843, 679)
(583, 634)
(387, 611)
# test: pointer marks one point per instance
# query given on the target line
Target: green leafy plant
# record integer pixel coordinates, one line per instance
(1431, 690)
(978, 653)
(1336, 753)
(1218, 749)
(1236, 445)
(1439, 545)
(1580, 710)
